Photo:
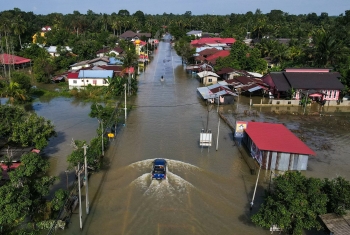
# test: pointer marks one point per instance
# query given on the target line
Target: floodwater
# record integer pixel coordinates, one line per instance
(207, 190)
(72, 122)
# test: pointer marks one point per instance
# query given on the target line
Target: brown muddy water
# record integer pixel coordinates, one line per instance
(206, 191)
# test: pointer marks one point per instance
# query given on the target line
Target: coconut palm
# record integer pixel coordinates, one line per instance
(19, 26)
(14, 92)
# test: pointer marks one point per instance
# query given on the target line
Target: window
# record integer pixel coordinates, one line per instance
(87, 80)
(334, 94)
(74, 81)
(289, 102)
(210, 80)
(94, 82)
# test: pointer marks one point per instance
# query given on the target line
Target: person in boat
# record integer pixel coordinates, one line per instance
(162, 78)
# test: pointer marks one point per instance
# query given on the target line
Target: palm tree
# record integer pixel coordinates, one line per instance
(14, 92)
(19, 27)
(327, 50)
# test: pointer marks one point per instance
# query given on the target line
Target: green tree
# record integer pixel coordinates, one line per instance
(43, 69)
(22, 79)
(14, 92)
(293, 204)
(338, 192)
(24, 128)
(23, 195)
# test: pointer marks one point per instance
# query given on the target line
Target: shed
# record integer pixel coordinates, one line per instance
(208, 77)
(275, 147)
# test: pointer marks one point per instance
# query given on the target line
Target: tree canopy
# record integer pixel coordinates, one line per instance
(24, 128)
(295, 202)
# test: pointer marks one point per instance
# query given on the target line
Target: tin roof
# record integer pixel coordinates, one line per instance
(95, 73)
(277, 138)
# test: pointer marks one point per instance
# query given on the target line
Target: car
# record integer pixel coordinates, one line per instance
(159, 169)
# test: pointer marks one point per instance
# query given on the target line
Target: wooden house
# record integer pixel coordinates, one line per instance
(275, 147)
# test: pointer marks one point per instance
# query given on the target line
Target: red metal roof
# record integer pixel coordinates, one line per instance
(276, 137)
(217, 55)
(72, 75)
(213, 41)
(12, 59)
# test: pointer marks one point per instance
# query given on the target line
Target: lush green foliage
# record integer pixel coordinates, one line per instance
(23, 195)
(184, 49)
(242, 57)
(295, 202)
(24, 128)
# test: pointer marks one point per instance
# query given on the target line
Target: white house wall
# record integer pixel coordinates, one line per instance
(86, 82)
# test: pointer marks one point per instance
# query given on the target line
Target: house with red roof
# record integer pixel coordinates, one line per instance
(213, 42)
(275, 147)
(212, 58)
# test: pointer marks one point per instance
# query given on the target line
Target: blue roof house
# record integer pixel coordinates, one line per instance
(91, 77)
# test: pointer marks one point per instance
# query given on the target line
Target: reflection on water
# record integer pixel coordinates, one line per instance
(71, 121)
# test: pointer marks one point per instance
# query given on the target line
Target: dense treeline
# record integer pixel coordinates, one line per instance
(316, 40)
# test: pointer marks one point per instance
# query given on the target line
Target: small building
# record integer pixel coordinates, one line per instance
(217, 93)
(108, 52)
(52, 50)
(13, 60)
(196, 33)
(336, 224)
(275, 147)
(89, 77)
(132, 36)
(208, 77)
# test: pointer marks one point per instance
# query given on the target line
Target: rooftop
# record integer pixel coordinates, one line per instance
(277, 138)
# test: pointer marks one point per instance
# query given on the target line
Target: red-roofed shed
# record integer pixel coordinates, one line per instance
(8, 59)
(275, 147)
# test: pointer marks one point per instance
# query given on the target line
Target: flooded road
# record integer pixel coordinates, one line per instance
(206, 192)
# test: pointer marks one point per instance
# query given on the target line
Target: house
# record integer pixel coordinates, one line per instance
(17, 61)
(117, 69)
(213, 42)
(217, 93)
(116, 51)
(212, 58)
(89, 77)
(336, 224)
(52, 50)
(42, 33)
(318, 84)
(196, 33)
(131, 36)
(90, 63)
(208, 77)
(275, 147)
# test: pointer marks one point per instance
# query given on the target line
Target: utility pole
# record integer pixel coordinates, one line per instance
(217, 137)
(103, 151)
(86, 181)
(256, 184)
(80, 210)
(125, 101)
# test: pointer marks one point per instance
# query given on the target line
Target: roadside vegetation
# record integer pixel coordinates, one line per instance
(294, 202)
